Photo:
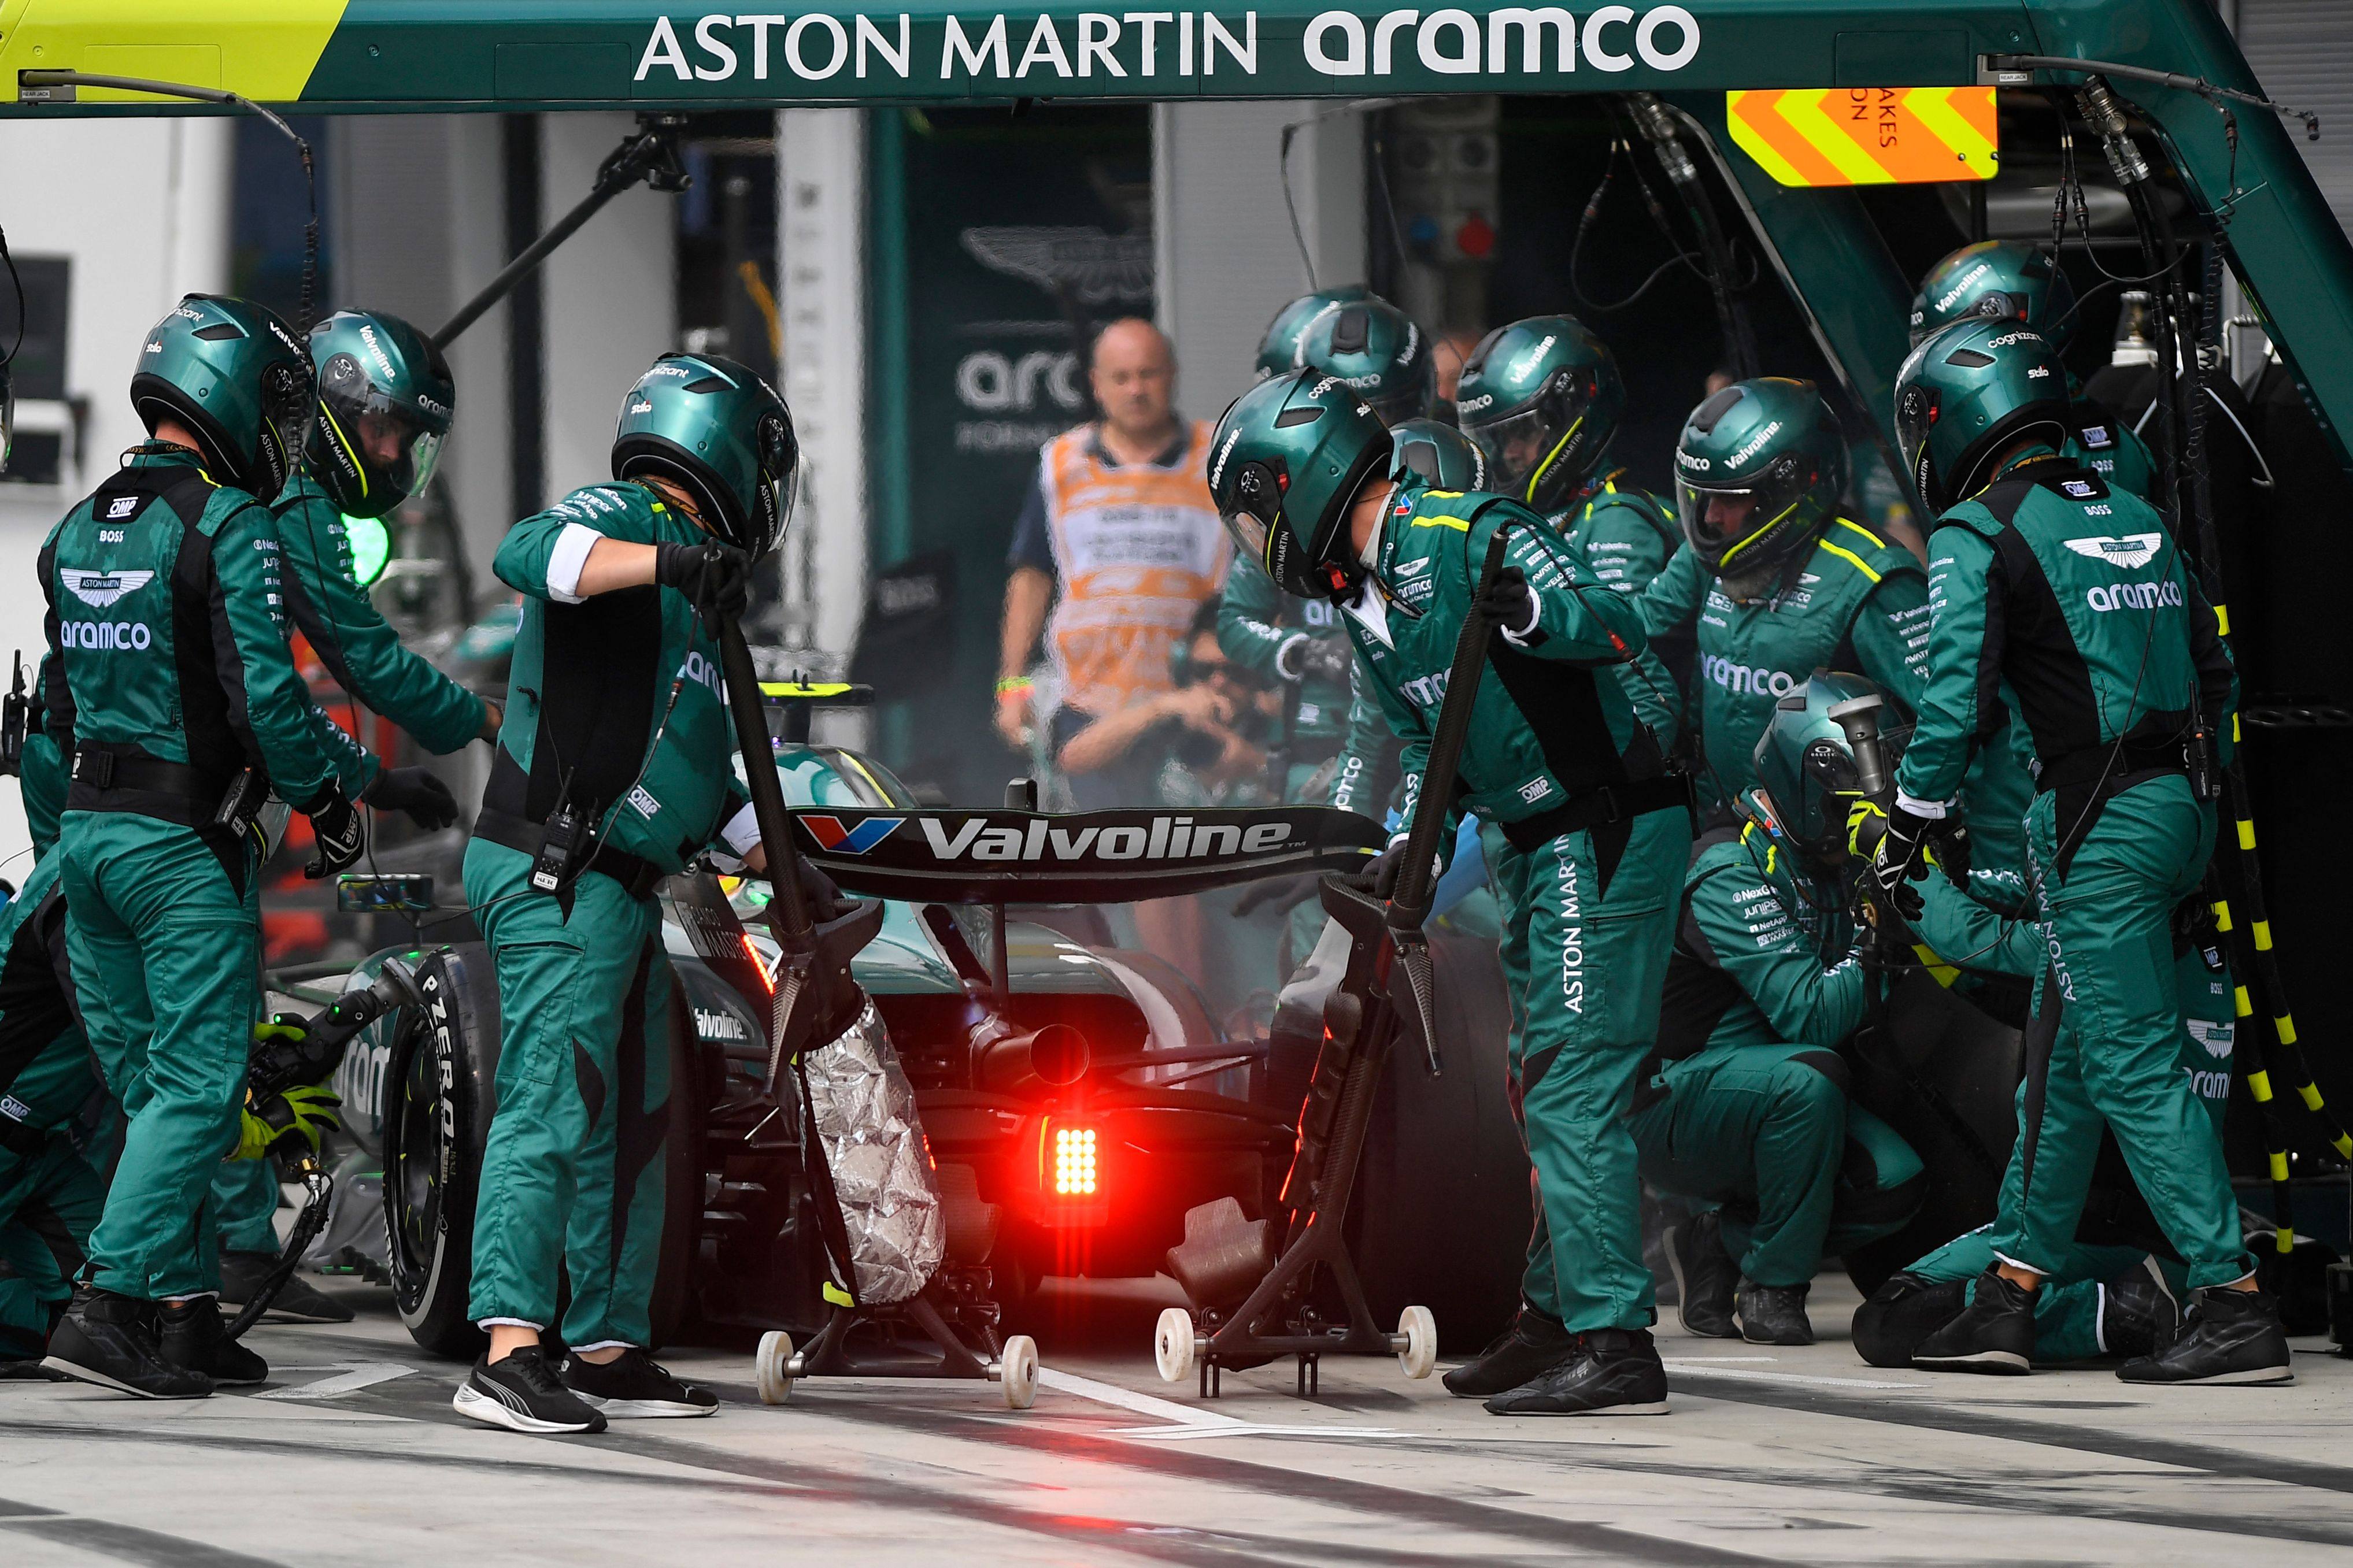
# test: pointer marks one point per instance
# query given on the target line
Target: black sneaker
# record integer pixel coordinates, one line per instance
(111, 1341)
(1612, 1371)
(192, 1335)
(633, 1386)
(1705, 1278)
(522, 1393)
(242, 1273)
(2229, 1336)
(1772, 1314)
(1994, 1333)
(2138, 1314)
(1530, 1346)
(1902, 1313)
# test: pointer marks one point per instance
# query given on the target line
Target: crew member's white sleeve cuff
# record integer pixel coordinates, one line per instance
(1934, 810)
(1517, 636)
(1286, 656)
(742, 833)
(568, 560)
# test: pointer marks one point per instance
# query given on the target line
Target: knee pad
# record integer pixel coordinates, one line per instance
(1903, 1311)
(1813, 1079)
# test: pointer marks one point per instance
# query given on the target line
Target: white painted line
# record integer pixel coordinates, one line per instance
(1704, 1369)
(1127, 1399)
(1718, 1359)
(360, 1376)
(1252, 1429)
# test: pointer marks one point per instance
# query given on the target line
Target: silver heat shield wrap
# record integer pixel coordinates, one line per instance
(864, 1112)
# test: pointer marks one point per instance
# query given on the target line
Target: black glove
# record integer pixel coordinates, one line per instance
(820, 896)
(1387, 865)
(426, 799)
(715, 578)
(1511, 603)
(1326, 659)
(341, 837)
(1896, 863)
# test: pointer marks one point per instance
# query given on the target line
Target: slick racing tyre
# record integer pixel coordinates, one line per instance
(439, 1092)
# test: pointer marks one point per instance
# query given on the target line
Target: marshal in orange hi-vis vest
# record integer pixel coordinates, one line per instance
(1867, 135)
(1137, 549)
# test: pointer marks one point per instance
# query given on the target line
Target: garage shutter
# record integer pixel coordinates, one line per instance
(2301, 52)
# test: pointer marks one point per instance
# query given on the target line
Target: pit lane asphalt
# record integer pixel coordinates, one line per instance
(351, 1454)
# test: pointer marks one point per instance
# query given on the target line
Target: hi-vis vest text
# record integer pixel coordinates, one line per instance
(1137, 548)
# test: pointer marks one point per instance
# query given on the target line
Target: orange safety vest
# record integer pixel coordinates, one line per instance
(1137, 549)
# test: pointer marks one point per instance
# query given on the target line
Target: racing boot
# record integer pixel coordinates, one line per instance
(1772, 1314)
(1612, 1371)
(522, 1393)
(242, 1273)
(1530, 1345)
(2138, 1316)
(2229, 1336)
(633, 1386)
(1994, 1333)
(1902, 1313)
(194, 1336)
(1705, 1278)
(111, 1341)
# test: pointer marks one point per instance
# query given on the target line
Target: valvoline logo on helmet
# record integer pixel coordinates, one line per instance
(1217, 468)
(1533, 358)
(1944, 301)
(835, 839)
(1755, 444)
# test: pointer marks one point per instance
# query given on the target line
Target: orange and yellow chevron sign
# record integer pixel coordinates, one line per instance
(1868, 135)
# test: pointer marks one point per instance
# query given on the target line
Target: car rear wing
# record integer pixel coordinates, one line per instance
(971, 855)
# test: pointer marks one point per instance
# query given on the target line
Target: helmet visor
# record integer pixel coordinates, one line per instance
(1723, 521)
(1519, 448)
(393, 444)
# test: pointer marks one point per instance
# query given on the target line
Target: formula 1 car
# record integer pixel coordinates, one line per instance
(1028, 1051)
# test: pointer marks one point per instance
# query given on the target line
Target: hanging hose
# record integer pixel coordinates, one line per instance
(2189, 482)
(1658, 128)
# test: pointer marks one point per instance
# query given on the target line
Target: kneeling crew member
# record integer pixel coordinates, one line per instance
(1597, 827)
(2068, 601)
(612, 773)
(1750, 1113)
(184, 709)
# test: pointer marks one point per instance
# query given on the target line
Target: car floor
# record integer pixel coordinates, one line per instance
(351, 1454)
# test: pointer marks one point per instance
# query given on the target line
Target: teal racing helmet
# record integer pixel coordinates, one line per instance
(1760, 468)
(1437, 455)
(1542, 398)
(1377, 349)
(1277, 349)
(1998, 280)
(1969, 394)
(385, 400)
(237, 377)
(1285, 465)
(715, 428)
(1806, 768)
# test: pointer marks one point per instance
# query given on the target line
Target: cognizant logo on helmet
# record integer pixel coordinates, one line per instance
(1746, 677)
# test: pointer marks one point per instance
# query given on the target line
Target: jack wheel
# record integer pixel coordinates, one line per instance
(770, 1367)
(1420, 1331)
(1172, 1344)
(1020, 1371)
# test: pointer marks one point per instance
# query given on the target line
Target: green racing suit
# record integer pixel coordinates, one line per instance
(2064, 603)
(1595, 830)
(620, 714)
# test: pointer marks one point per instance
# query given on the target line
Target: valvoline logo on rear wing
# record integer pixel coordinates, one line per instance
(964, 855)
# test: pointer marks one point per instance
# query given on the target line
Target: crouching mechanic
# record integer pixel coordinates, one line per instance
(2108, 1295)
(2066, 602)
(1749, 1115)
(183, 710)
(1596, 829)
(612, 772)
(385, 400)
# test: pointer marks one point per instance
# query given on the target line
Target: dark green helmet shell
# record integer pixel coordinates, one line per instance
(1285, 465)
(1806, 768)
(1542, 398)
(237, 377)
(1967, 396)
(1759, 470)
(1377, 349)
(1999, 280)
(1278, 350)
(713, 427)
(385, 400)
(1437, 455)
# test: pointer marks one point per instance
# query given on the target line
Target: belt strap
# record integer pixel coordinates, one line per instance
(19, 1139)
(101, 771)
(636, 875)
(1610, 803)
(2131, 759)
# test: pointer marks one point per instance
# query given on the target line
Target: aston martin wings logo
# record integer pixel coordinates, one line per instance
(1097, 267)
(100, 589)
(2132, 550)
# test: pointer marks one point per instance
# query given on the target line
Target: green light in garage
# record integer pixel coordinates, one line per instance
(371, 547)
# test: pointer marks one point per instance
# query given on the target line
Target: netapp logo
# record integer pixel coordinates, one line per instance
(1168, 838)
